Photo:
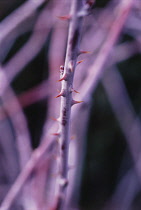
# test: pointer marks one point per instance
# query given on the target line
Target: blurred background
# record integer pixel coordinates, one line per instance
(31, 53)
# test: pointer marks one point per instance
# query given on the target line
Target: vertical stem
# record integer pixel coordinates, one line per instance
(66, 97)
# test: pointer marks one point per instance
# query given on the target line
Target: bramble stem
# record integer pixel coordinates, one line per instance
(66, 97)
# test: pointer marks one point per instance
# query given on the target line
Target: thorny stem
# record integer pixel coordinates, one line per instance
(42, 149)
(66, 97)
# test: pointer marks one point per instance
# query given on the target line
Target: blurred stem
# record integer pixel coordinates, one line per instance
(125, 114)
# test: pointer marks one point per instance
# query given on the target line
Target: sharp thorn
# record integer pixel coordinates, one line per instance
(62, 93)
(54, 119)
(60, 79)
(76, 102)
(65, 17)
(58, 95)
(84, 52)
(63, 78)
(56, 134)
(74, 90)
(78, 62)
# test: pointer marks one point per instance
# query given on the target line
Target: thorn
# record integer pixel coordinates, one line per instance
(76, 91)
(63, 78)
(65, 17)
(72, 90)
(83, 52)
(54, 119)
(78, 62)
(62, 93)
(55, 134)
(75, 102)
(58, 95)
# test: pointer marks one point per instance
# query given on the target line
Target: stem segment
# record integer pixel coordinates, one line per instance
(66, 97)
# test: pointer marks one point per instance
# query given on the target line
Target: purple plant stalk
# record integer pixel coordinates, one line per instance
(32, 47)
(86, 90)
(125, 114)
(10, 26)
(23, 177)
(67, 74)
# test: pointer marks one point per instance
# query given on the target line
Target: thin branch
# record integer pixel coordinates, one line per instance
(87, 87)
(120, 52)
(24, 175)
(125, 114)
(21, 134)
(11, 27)
(32, 47)
(67, 75)
(20, 127)
(18, 119)
(56, 58)
(23, 12)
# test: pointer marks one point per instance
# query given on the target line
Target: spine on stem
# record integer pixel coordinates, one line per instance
(78, 11)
